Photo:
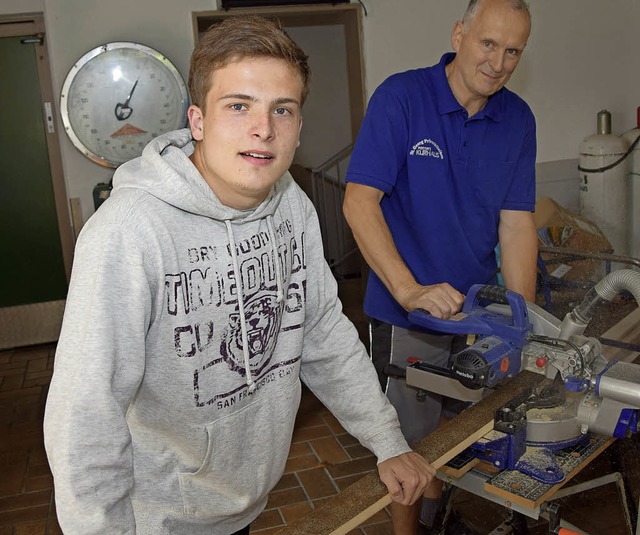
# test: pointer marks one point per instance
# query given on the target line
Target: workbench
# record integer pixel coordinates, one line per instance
(523, 494)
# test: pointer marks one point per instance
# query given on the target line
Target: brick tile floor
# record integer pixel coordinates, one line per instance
(26, 484)
(323, 459)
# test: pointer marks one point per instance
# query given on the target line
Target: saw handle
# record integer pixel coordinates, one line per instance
(500, 296)
(495, 294)
(475, 319)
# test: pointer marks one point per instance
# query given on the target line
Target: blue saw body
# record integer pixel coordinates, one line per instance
(500, 337)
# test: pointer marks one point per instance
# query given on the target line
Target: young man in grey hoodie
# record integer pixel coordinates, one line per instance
(199, 300)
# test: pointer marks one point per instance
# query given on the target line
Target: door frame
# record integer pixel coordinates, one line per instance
(38, 323)
(347, 15)
(33, 24)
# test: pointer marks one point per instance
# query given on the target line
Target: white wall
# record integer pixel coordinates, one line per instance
(326, 125)
(10, 7)
(581, 58)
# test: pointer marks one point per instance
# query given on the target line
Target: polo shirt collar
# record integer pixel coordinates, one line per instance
(447, 103)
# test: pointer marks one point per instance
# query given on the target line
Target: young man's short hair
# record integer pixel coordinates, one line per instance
(237, 38)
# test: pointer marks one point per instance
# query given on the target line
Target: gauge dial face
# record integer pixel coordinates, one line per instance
(117, 98)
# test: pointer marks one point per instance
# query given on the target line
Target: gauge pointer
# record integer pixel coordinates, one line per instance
(124, 111)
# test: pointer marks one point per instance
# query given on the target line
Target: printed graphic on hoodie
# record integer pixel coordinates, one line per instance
(212, 283)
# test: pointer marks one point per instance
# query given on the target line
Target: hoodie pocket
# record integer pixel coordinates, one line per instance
(246, 455)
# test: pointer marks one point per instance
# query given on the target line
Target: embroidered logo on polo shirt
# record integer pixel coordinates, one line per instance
(426, 147)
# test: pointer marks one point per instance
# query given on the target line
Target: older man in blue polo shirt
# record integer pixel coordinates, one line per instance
(442, 172)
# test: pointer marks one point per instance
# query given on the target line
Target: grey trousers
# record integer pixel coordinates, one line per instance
(391, 344)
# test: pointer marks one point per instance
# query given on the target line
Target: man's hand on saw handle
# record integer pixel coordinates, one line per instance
(406, 476)
(440, 300)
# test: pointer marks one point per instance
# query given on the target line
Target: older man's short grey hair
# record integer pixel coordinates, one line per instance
(472, 9)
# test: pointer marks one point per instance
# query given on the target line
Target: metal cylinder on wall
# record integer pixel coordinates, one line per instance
(603, 183)
(633, 169)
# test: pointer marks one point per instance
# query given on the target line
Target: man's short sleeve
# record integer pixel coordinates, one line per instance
(522, 194)
(381, 148)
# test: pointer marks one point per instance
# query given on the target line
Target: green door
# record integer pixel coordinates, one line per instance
(31, 266)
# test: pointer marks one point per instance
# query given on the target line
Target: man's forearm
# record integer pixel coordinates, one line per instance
(376, 244)
(364, 215)
(518, 254)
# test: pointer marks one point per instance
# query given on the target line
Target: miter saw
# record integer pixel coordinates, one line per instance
(582, 392)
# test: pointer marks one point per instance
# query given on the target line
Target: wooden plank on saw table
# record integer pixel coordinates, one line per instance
(361, 500)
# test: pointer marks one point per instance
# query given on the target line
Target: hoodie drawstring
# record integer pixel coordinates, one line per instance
(236, 272)
(274, 256)
(243, 325)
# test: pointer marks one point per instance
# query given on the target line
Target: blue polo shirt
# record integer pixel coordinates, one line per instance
(445, 178)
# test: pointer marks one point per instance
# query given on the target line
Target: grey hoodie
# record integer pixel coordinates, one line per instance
(187, 329)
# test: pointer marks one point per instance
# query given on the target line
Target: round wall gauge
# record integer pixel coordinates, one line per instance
(118, 97)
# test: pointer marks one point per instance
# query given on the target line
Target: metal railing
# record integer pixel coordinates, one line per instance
(328, 186)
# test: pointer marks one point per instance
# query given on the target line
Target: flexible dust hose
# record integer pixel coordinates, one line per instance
(576, 321)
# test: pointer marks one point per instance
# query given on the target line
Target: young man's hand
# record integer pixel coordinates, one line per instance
(406, 476)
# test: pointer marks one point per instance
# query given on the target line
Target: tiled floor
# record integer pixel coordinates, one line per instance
(323, 459)
(26, 485)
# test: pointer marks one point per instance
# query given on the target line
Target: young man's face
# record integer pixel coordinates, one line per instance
(488, 49)
(250, 131)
